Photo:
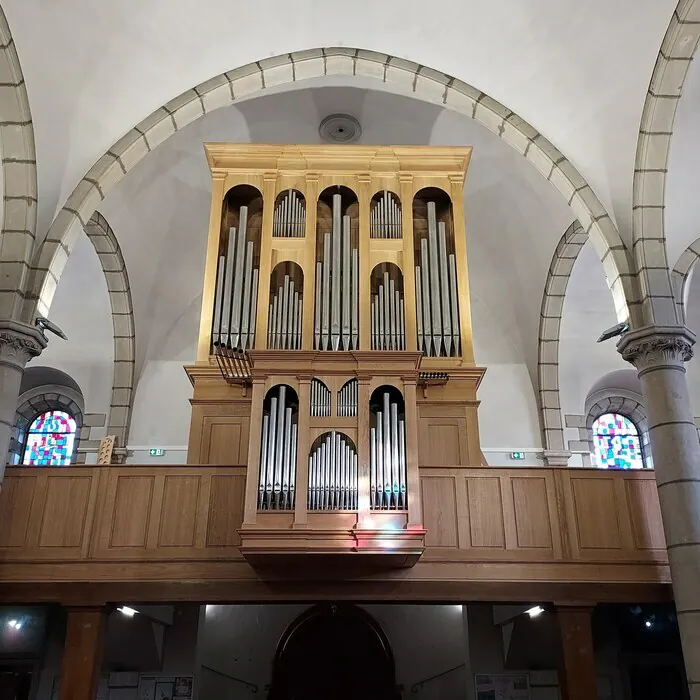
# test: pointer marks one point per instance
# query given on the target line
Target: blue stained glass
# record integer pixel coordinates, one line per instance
(616, 443)
(50, 440)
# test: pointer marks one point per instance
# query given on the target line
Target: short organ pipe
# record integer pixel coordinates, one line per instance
(320, 399)
(347, 399)
(333, 474)
(385, 217)
(284, 314)
(289, 220)
(387, 314)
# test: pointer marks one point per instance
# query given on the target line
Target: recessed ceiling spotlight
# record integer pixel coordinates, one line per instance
(340, 128)
(534, 612)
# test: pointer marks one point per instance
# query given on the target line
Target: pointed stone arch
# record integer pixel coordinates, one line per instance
(108, 251)
(425, 83)
(18, 179)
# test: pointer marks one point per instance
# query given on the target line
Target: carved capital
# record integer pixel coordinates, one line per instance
(654, 347)
(19, 343)
(557, 458)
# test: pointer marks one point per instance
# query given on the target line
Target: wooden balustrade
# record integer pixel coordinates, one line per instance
(171, 533)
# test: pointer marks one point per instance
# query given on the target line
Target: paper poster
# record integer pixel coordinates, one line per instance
(502, 687)
(166, 688)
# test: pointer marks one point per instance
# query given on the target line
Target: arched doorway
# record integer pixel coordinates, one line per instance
(334, 651)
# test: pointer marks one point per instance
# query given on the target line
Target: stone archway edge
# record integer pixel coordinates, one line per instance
(424, 82)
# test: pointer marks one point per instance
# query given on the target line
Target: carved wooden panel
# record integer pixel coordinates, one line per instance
(596, 513)
(224, 440)
(65, 511)
(16, 497)
(486, 525)
(178, 515)
(440, 441)
(225, 511)
(132, 508)
(531, 509)
(645, 513)
(439, 511)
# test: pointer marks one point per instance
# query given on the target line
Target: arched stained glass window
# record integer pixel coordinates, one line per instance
(50, 440)
(616, 443)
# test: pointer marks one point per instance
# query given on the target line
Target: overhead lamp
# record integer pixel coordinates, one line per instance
(126, 610)
(535, 611)
(613, 332)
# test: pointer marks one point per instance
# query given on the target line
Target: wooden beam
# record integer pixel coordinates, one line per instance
(82, 653)
(577, 674)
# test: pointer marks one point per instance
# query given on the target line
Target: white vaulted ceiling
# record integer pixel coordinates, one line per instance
(577, 71)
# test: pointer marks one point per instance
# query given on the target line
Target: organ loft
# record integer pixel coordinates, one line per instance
(335, 349)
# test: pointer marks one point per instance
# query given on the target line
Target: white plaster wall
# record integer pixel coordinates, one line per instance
(81, 308)
(692, 313)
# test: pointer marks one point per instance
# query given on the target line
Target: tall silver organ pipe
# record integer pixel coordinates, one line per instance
(333, 474)
(284, 317)
(437, 310)
(289, 219)
(385, 217)
(388, 321)
(347, 399)
(235, 302)
(387, 459)
(336, 325)
(320, 399)
(278, 453)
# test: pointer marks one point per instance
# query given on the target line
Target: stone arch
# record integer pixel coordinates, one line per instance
(108, 251)
(681, 275)
(424, 82)
(18, 179)
(677, 50)
(558, 276)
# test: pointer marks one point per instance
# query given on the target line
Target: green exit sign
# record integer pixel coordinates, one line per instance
(517, 455)
(156, 452)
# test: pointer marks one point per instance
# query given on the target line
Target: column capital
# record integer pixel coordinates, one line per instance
(19, 342)
(655, 347)
(557, 458)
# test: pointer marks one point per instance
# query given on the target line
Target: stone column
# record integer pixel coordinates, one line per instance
(577, 675)
(659, 354)
(82, 653)
(19, 343)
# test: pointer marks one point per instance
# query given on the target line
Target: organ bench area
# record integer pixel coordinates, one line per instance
(335, 348)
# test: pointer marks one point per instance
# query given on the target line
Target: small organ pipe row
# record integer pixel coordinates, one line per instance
(278, 454)
(437, 310)
(236, 297)
(388, 458)
(320, 399)
(337, 283)
(385, 217)
(284, 319)
(347, 399)
(387, 317)
(333, 474)
(290, 216)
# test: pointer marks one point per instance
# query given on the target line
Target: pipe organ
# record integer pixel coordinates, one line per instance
(341, 273)
(333, 473)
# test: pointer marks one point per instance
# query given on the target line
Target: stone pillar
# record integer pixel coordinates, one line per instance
(659, 354)
(82, 653)
(19, 343)
(577, 675)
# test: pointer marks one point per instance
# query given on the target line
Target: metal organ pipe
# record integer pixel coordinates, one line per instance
(333, 474)
(437, 310)
(320, 399)
(284, 320)
(347, 399)
(388, 458)
(235, 302)
(385, 217)
(336, 325)
(388, 316)
(278, 454)
(289, 220)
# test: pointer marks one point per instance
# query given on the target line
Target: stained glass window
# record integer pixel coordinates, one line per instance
(616, 443)
(50, 440)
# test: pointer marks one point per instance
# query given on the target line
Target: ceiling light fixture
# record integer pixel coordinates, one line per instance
(340, 128)
(535, 611)
(126, 610)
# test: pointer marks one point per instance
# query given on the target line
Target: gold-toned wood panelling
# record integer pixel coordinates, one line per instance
(178, 523)
(442, 441)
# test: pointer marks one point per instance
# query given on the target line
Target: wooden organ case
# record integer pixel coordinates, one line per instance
(335, 351)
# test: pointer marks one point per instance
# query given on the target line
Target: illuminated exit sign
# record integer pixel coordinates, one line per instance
(517, 455)
(156, 452)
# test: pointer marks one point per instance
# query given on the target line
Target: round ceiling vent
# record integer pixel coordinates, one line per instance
(340, 128)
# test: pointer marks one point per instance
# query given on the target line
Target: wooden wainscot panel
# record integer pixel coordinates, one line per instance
(439, 510)
(178, 516)
(65, 511)
(131, 510)
(225, 511)
(224, 440)
(16, 498)
(486, 526)
(442, 441)
(643, 503)
(533, 500)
